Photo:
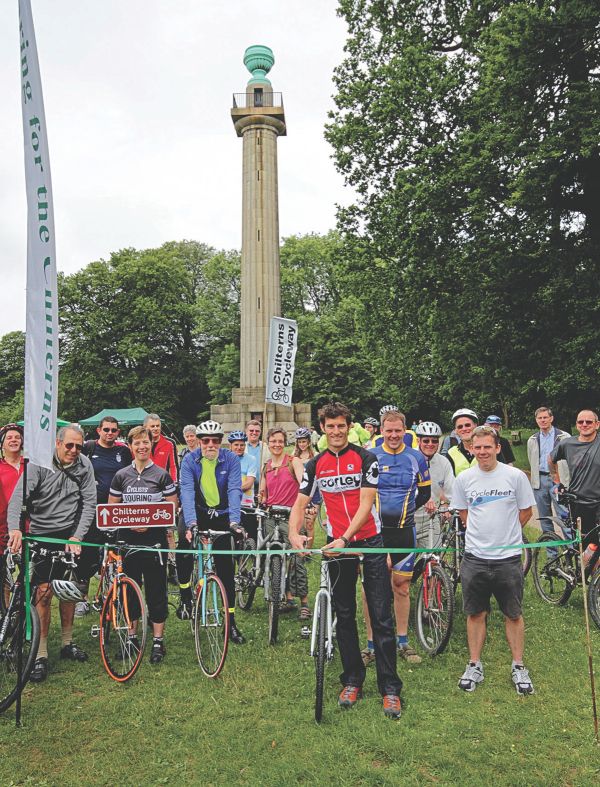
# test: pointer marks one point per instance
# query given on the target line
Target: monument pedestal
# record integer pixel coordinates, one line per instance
(247, 403)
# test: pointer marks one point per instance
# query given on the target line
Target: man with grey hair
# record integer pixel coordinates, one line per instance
(191, 441)
(164, 449)
(61, 503)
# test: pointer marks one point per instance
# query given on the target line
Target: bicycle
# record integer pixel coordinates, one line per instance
(322, 643)
(269, 570)
(434, 607)
(210, 615)
(11, 626)
(557, 570)
(122, 615)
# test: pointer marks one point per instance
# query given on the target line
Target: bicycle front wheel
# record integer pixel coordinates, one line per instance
(594, 596)
(122, 655)
(320, 655)
(9, 652)
(434, 610)
(554, 571)
(245, 588)
(526, 556)
(274, 597)
(211, 626)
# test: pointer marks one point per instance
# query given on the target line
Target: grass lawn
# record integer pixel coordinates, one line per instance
(254, 724)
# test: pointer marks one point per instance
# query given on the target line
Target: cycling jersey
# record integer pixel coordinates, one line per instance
(106, 461)
(340, 477)
(400, 473)
(410, 439)
(164, 454)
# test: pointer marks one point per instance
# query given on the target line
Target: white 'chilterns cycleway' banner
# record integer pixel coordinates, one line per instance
(41, 343)
(283, 344)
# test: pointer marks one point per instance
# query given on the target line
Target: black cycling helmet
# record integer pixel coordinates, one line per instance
(302, 433)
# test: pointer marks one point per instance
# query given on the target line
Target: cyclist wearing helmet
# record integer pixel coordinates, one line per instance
(211, 494)
(237, 441)
(62, 504)
(460, 456)
(442, 482)
(506, 455)
(11, 469)
(410, 438)
(371, 425)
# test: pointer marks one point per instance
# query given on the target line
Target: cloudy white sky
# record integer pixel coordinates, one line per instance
(142, 147)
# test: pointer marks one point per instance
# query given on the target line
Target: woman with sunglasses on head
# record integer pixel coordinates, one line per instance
(211, 494)
(11, 469)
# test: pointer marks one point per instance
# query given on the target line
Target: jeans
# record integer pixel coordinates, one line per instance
(343, 572)
(547, 507)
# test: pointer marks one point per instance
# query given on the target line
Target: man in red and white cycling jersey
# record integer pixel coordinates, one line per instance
(346, 476)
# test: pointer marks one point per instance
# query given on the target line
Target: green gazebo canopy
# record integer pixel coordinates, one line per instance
(126, 417)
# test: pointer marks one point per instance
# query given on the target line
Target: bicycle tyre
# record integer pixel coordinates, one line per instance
(115, 622)
(320, 656)
(526, 556)
(551, 587)
(211, 634)
(274, 596)
(434, 611)
(245, 587)
(9, 655)
(194, 587)
(7, 580)
(594, 596)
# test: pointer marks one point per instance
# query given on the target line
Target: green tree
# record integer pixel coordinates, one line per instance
(470, 132)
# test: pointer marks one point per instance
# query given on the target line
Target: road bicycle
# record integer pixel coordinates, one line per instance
(434, 607)
(123, 625)
(557, 569)
(268, 570)
(11, 625)
(322, 643)
(210, 614)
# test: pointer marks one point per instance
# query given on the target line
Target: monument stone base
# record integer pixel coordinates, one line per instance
(247, 403)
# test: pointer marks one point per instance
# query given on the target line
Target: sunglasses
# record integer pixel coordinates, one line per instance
(587, 423)
(112, 431)
(210, 440)
(71, 446)
(430, 440)
(463, 426)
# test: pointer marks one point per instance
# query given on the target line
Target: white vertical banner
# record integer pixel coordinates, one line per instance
(41, 343)
(283, 344)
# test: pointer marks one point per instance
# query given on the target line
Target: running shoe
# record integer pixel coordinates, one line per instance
(392, 707)
(158, 651)
(349, 696)
(471, 677)
(521, 679)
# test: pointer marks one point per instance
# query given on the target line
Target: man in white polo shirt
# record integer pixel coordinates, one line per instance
(495, 501)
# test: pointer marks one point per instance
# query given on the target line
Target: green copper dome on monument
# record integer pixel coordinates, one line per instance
(259, 60)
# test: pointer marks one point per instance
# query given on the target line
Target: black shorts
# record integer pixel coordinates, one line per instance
(481, 579)
(44, 567)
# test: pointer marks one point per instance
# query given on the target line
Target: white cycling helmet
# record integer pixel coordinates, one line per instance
(464, 411)
(428, 429)
(66, 590)
(209, 429)
(371, 421)
(388, 408)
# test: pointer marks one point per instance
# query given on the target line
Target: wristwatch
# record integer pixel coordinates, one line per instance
(346, 541)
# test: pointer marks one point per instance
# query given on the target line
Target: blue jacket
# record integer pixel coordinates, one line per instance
(229, 483)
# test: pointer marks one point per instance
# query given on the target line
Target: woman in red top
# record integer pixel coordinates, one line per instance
(11, 467)
(279, 483)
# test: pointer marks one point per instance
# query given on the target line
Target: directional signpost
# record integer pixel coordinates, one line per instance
(112, 515)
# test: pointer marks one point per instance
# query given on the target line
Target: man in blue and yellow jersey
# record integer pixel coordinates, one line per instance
(404, 486)
(410, 438)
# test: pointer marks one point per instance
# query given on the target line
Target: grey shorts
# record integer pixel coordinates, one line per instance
(481, 579)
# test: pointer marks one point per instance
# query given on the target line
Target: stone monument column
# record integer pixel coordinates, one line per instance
(259, 118)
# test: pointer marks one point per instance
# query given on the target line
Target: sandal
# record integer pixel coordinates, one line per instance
(288, 606)
(304, 612)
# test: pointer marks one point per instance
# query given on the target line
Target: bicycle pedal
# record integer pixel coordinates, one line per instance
(95, 631)
(305, 632)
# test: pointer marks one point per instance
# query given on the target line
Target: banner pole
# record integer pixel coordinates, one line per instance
(587, 633)
(24, 578)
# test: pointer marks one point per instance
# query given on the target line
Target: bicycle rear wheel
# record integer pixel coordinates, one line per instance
(434, 610)
(320, 655)
(211, 626)
(10, 623)
(594, 596)
(122, 606)
(554, 571)
(274, 596)
(7, 580)
(244, 577)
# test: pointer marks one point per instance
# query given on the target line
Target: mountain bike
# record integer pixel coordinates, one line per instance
(268, 570)
(210, 615)
(322, 643)
(557, 569)
(434, 607)
(11, 625)
(123, 623)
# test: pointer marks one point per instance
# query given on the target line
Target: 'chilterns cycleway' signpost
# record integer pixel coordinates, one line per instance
(112, 515)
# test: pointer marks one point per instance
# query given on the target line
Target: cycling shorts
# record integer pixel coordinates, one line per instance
(401, 538)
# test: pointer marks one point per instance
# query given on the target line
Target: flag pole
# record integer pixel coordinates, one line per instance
(587, 633)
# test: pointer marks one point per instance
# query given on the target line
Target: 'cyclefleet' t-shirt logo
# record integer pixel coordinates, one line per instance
(479, 498)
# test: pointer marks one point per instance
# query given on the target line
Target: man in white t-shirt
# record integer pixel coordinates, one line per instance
(495, 501)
